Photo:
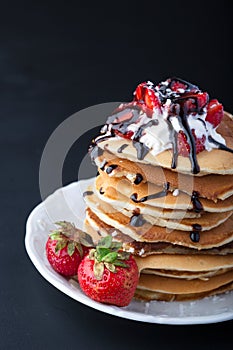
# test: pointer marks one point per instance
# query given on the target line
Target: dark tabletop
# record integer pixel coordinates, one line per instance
(55, 60)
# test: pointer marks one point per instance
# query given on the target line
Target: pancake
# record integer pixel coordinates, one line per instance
(216, 237)
(112, 189)
(207, 220)
(203, 275)
(211, 162)
(180, 286)
(123, 204)
(191, 263)
(145, 249)
(210, 186)
(97, 229)
(147, 295)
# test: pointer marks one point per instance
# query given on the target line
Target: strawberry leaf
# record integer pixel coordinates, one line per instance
(123, 255)
(116, 245)
(101, 253)
(98, 270)
(79, 247)
(105, 242)
(120, 263)
(85, 239)
(110, 257)
(60, 245)
(56, 235)
(71, 248)
(92, 254)
(70, 231)
(107, 255)
(110, 267)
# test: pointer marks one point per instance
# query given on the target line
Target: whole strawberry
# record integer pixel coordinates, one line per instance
(108, 274)
(66, 247)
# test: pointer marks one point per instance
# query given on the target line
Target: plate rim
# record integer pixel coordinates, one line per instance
(79, 296)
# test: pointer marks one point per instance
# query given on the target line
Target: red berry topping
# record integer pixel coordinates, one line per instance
(195, 102)
(191, 105)
(66, 247)
(151, 99)
(214, 113)
(108, 274)
(127, 135)
(139, 92)
(176, 85)
(202, 99)
(144, 94)
(184, 147)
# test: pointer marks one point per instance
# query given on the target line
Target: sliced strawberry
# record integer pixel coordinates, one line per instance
(151, 99)
(195, 102)
(139, 92)
(191, 105)
(144, 94)
(127, 135)
(184, 147)
(176, 85)
(214, 113)
(202, 99)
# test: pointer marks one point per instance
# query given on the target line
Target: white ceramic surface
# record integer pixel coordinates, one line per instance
(67, 204)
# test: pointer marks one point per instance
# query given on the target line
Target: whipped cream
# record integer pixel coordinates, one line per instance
(157, 137)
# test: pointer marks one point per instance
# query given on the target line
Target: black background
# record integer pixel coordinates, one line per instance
(58, 58)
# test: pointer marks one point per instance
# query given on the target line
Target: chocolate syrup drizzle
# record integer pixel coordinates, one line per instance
(141, 149)
(95, 152)
(195, 234)
(121, 148)
(110, 168)
(138, 179)
(179, 109)
(101, 190)
(137, 220)
(103, 164)
(87, 193)
(197, 206)
(220, 145)
(163, 193)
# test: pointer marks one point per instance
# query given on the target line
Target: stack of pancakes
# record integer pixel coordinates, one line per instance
(179, 226)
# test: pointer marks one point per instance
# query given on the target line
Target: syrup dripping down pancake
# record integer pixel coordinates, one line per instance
(103, 209)
(97, 228)
(113, 189)
(211, 186)
(216, 237)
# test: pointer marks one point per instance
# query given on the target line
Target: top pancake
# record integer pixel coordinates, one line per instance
(213, 162)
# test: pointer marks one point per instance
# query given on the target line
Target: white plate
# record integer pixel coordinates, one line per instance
(67, 204)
